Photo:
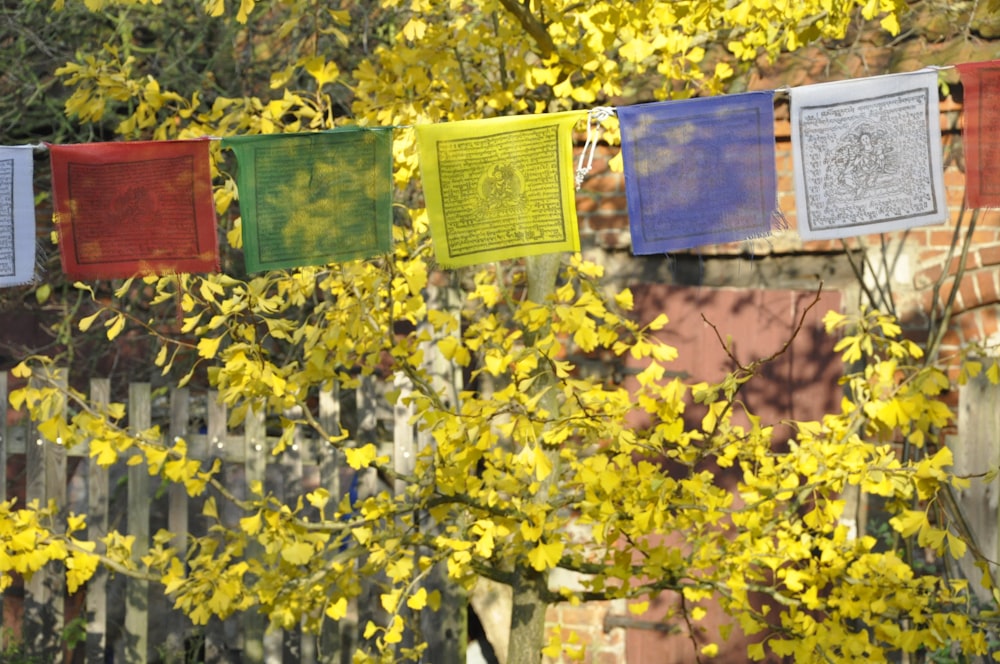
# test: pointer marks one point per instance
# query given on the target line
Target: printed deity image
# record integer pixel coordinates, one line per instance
(866, 164)
(868, 156)
(499, 204)
(499, 188)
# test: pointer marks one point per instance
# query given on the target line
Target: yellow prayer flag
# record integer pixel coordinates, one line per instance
(500, 188)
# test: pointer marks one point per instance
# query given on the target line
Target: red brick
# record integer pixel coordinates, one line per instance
(605, 151)
(929, 254)
(968, 325)
(969, 294)
(927, 294)
(989, 219)
(578, 636)
(585, 615)
(916, 330)
(598, 167)
(983, 236)
(959, 305)
(791, 218)
(951, 340)
(821, 246)
(615, 639)
(930, 272)
(602, 155)
(605, 183)
(940, 238)
(986, 284)
(585, 203)
(609, 658)
(990, 322)
(925, 299)
(783, 162)
(989, 255)
(612, 204)
(971, 263)
(954, 178)
(955, 196)
(949, 105)
(910, 309)
(601, 222)
(786, 203)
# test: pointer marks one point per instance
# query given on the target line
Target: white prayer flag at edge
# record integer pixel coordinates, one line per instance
(867, 155)
(17, 216)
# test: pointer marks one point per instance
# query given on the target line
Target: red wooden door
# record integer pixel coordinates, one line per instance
(800, 384)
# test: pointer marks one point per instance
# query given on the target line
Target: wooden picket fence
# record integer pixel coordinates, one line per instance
(128, 620)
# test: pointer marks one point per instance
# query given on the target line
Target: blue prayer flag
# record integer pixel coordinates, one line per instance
(699, 171)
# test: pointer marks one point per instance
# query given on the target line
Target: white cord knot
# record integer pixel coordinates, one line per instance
(595, 117)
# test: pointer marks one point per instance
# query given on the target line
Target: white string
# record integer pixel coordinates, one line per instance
(595, 117)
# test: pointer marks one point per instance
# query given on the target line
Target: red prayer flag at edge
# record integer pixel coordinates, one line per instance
(981, 131)
(135, 208)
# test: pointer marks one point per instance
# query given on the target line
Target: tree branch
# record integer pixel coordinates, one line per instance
(532, 25)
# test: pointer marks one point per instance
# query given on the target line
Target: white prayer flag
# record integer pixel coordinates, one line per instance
(17, 216)
(867, 155)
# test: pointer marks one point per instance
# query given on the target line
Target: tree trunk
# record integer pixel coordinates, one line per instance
(527, 625)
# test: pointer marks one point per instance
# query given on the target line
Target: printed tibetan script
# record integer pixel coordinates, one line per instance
(296, 208)
(17, 216)
(868, 156)
(7, 218)
(500, 188)
(128, 212)
(501, 191)
(142, 207)
(313, 197)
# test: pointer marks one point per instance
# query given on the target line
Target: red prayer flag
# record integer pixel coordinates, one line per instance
(126, 209)
(981, 132)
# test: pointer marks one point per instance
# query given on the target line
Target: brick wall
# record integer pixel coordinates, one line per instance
(582, 629)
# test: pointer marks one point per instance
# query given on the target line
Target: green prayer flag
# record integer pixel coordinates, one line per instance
(314, 198)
